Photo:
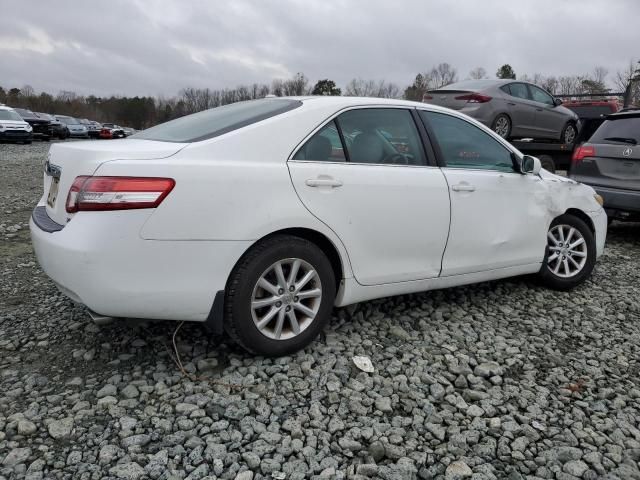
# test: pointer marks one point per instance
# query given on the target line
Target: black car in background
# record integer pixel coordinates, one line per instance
(40, 125)
(57, 129)
(610, 162)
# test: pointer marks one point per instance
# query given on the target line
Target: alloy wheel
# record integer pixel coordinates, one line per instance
(286, 299)
(570, 134)
(567, 251)
(502, 127)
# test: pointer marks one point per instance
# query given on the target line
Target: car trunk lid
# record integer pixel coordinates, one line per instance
(67, 161)
(447, 98)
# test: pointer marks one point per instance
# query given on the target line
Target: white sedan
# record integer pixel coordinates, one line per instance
(259, 217)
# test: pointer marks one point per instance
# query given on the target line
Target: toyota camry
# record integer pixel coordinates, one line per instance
(259, 217)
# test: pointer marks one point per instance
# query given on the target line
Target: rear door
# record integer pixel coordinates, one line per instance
(549, 120)
(366, 176)
(522, 109)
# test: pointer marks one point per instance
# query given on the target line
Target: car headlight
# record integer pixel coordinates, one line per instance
(599, 199)
(1, 127)
(29, 128)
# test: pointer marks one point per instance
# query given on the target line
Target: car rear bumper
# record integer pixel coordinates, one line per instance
(98, 259)
(79, 134)
(620, 203)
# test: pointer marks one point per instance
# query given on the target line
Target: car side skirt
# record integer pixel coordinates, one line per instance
(352, 292)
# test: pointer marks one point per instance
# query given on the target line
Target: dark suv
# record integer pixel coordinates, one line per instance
(610, 163)
(40, 125)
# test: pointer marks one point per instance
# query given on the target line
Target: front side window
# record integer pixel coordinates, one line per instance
(217, 121)
(519, 90)
(464, 145)
(324, 146)
(540, 95)
(386, 136)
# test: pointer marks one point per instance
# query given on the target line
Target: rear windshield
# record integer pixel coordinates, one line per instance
(217, 121)
(621, 130)
(9, 115)
(24, 113)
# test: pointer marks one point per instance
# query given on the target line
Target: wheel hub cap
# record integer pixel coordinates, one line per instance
(286, 299)
(567, 251)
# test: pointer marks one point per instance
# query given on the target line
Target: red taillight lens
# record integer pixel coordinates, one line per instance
(426, 97)
(582, 152)
(474, 98)
(117, 193)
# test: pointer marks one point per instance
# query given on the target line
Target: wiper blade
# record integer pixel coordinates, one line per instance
(632, 141)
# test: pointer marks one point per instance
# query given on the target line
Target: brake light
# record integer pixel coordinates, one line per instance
(474, 98)
(426, 97)
(582, 152)
(117, 193)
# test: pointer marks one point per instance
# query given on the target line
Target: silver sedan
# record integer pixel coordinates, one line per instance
(513, 109)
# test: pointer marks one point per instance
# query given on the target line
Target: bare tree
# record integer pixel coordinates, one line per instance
(27, 91)
(443, 74)
(358, 87)
(599, 75)
(628, 81)
(478, 73)
(550, 84)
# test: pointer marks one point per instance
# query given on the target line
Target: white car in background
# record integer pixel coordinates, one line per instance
(259, 217)
(12, 127)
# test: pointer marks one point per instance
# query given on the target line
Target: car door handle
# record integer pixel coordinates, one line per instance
(463, 187)
(323, 182)
(539, 109)
(511, 104)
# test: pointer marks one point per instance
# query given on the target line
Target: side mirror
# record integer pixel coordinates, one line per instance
(531, 165)
(557, 102)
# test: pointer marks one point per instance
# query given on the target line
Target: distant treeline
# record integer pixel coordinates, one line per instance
(143, 112)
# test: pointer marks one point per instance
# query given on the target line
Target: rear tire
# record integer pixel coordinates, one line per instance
(263, 312)
(502, 126)
(570, 255)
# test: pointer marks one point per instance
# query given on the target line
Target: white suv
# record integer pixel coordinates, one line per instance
(13, 127)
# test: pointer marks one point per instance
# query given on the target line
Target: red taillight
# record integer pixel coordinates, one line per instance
(117, 193)
(582, 152)
(426, 97)
(474, 98)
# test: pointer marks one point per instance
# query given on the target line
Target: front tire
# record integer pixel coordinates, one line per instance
(570, 255)
(502, 126)
(569, 133)
(279, 296)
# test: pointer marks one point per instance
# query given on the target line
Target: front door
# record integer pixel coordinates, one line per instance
(366, 176)
(498, 216)
(549, 120)
(522, 110)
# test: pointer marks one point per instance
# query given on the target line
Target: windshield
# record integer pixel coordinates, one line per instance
(10, 115)
(24, 113)
(217, 121)
(69, 120)
(617, 130)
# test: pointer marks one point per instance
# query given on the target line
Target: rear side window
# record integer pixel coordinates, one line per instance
(379, 136)
(619, 131)
(519, 90)
(464, 145)
(324, 146)
(217, 121)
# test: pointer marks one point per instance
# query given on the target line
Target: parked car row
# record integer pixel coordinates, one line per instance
(22, 125)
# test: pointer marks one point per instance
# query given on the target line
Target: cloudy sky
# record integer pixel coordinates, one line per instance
(152, 47)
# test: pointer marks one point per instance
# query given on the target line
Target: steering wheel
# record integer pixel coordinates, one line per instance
(396, 158)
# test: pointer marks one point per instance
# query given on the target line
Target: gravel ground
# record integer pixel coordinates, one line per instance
(497, 380)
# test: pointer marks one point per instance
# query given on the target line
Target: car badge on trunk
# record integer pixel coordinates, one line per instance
(627, 152)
